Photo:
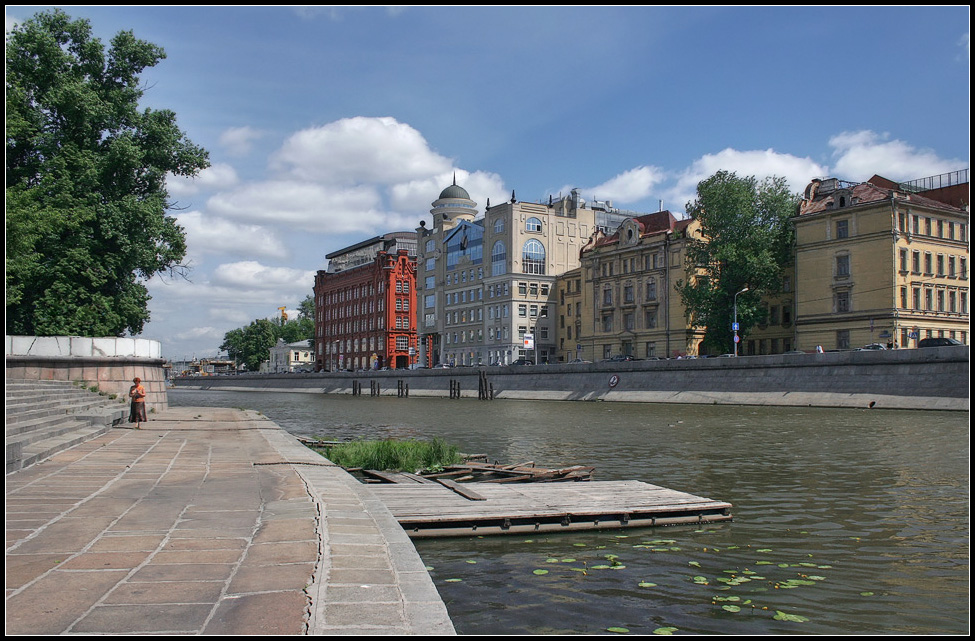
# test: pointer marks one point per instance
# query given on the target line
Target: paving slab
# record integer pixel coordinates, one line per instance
(207, 521)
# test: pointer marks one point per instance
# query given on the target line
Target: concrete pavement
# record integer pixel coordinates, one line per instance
(207, 521)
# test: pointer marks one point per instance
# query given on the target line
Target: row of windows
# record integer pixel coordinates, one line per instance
(935, 300)
(936, 227)
(365, 290)
(401, 321)
(607, 321)
(944, 263)
(628, 295)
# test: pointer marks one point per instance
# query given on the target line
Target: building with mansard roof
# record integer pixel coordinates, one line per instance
(885, 264)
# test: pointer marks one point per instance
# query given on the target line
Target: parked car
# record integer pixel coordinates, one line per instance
(619, 358)
(938, 342)
(522, 361)
(871, 346)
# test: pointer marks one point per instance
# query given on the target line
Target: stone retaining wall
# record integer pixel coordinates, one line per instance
(933, 378)
(109, 363)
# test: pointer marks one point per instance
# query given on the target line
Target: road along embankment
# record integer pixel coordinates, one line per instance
(929, 379)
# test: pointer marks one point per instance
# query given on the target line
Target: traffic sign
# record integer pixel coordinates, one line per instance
(734, 327)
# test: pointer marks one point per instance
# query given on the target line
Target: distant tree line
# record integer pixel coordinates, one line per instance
(249, 346)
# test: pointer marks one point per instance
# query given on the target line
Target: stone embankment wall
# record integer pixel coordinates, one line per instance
(933, 378)
(109, 363)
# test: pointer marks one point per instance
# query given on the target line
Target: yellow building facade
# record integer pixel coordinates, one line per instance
(878, 265)
(622, 300)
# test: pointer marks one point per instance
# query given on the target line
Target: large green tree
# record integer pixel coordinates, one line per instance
(86, 206)
(746, 242)
(249, 346)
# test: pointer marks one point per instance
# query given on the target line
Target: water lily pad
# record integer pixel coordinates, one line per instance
(694, 563)
(601, 567)
(453, 580)
(539, 572)
(551, 560)
(568, 560)
(816, 578)
(784, 616)
(764, 550)
(701, 580)
(866, 594)
(579, 545)
(647, 584)
(428, 568)
(618, 630)
(471, 561)
(665, 630)
(731, 608)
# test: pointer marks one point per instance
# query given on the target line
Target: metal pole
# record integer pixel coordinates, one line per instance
(736, 321)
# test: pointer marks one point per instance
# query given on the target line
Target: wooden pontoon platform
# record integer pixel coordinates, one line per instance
(440, 508)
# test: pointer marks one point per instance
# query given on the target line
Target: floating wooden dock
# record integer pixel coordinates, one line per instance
(441, 508)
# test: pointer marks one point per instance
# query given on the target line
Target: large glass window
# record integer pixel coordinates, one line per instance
(533, 224)
(533, 258)
(498, 259)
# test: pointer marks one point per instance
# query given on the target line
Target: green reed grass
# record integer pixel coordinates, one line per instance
(393, 456)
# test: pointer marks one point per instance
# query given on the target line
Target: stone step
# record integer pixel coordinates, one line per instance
(40, 450)
(46, 417)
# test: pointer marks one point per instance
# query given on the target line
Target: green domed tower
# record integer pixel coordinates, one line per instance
(453, 204)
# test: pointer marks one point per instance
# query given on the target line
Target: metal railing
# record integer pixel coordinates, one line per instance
(936, 182)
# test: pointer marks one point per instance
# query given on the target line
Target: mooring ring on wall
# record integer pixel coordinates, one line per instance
(614, 380)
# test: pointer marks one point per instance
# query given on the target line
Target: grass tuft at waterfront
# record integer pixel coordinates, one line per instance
(392, 455)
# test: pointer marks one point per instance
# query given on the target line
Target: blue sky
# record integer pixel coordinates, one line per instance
(329, 125)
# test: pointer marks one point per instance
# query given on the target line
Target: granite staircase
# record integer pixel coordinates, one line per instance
(46, 417)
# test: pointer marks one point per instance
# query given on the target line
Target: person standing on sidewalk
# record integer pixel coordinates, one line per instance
(137, 413)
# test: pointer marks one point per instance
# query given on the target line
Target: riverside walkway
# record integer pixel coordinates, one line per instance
(207, 521)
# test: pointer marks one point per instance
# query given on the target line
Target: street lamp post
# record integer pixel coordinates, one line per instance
(735, 325)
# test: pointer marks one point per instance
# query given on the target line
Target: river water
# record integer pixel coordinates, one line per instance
(845, 521)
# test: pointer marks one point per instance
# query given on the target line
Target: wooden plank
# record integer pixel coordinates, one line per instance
(467, 493)
(388, 477)
(417, 478)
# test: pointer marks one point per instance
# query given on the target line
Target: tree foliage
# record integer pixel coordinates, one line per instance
(250, 346)
(86, 220)
(746, 241)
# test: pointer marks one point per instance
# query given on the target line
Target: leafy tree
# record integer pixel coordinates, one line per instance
(250, 345)
(86, 169)
(746, 241)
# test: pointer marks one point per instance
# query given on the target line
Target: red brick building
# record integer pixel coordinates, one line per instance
(365, 305)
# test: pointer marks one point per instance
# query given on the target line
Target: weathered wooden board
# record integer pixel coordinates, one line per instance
(430, 510)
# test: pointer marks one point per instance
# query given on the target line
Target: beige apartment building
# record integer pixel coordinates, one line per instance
(879, 265)
(486, 284)
(622, 301)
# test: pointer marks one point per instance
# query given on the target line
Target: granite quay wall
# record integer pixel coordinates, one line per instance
(932, 378)
(109, 363)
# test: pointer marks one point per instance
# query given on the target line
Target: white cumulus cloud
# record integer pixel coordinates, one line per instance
(252, 275)
(759, 163)
(359, 150)
(216, 176)
(302, 205)
(628, 187)
(207, 234)
(238, 141)
(861, 154)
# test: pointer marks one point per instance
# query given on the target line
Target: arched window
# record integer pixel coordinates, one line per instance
(533, 224)
(533, 258)
(498, 259)
(498, 225)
